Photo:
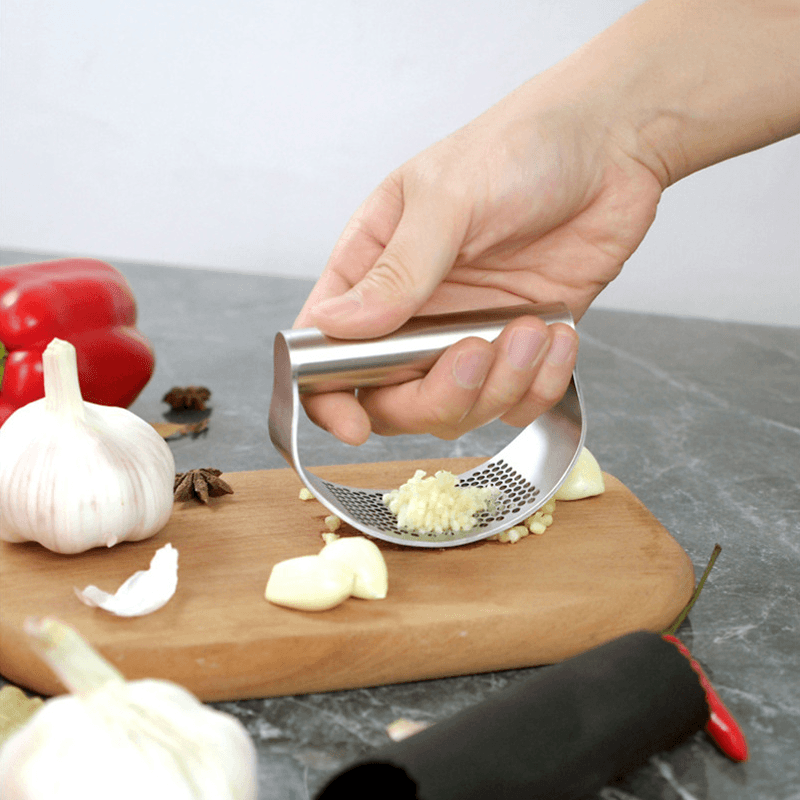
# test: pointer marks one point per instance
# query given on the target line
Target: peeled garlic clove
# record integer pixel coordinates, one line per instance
(144, 592)
(366, 560)
(309, 583)
(584, 480)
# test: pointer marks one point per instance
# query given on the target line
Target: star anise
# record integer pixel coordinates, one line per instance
(187, 397)
(200, 484)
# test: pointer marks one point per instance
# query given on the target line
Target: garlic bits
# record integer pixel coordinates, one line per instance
(76, 475)
(123, 739)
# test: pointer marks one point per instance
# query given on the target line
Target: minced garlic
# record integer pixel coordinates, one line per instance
(333, 523)
(437, 504)
(537, 523)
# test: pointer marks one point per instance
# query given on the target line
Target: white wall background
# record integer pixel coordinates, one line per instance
(241, 135)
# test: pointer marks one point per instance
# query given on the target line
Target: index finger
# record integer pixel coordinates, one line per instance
(358, 248)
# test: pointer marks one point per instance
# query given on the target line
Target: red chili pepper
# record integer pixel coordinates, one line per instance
(721, 725)
(87, 303)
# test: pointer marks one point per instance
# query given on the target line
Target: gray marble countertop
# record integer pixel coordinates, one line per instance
(700, 419)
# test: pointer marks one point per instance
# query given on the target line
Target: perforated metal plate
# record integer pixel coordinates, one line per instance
(514, 493)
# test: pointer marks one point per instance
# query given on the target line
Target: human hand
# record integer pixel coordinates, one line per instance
(534, 201)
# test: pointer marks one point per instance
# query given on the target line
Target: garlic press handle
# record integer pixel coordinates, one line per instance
(318, 363)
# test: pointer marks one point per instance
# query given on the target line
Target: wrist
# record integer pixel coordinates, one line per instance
(683, 85)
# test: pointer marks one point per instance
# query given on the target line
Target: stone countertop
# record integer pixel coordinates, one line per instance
(700, 419)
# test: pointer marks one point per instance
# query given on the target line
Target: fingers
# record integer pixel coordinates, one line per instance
(421, 251)
(551, 380)
(517, 378)
(361, 243)
(340, 414)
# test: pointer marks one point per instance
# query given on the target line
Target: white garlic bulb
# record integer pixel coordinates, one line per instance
(76, 475)
(126, 740)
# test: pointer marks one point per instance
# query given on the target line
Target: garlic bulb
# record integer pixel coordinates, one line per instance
(76, 475)
(126, 740)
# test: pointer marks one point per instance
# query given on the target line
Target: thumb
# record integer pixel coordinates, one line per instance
(416, 259)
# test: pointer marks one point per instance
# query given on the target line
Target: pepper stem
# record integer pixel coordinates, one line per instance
(76, 663)
(62, 391)
(699, 588)
(3, 356)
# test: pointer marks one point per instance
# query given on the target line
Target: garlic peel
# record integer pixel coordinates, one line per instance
(76, 475)
(144, 592)
(584, 480)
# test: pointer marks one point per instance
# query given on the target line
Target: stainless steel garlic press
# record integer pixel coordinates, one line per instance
(526, 472)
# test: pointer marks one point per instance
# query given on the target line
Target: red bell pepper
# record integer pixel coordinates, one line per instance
(86, 302)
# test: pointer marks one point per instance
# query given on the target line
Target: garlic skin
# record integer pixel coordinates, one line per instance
(126, 740)
(76, 475)
(144, 592)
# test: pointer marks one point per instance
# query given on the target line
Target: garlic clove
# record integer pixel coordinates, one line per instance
(16, 708)
(403, 728)
(309, 583)
(584, 480)
(144, 592)
(366, 560)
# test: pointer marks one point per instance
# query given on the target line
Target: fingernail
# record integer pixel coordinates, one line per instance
(337, 307)
(470, 369)
(524, 347)
(561, 350)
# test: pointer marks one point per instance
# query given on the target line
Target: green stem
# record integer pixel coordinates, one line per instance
(76, 663)
(699, 588)
(3, 356)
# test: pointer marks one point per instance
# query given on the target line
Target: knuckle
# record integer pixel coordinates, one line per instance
(392, 276)
(445, 418)
(544, 394)
(498, 397)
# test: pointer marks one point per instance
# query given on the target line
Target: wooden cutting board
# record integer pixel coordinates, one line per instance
(605, 567)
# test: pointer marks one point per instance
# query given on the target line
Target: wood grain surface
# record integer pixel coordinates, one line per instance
(605, 567)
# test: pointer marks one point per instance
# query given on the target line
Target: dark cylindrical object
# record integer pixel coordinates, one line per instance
(560, 735)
